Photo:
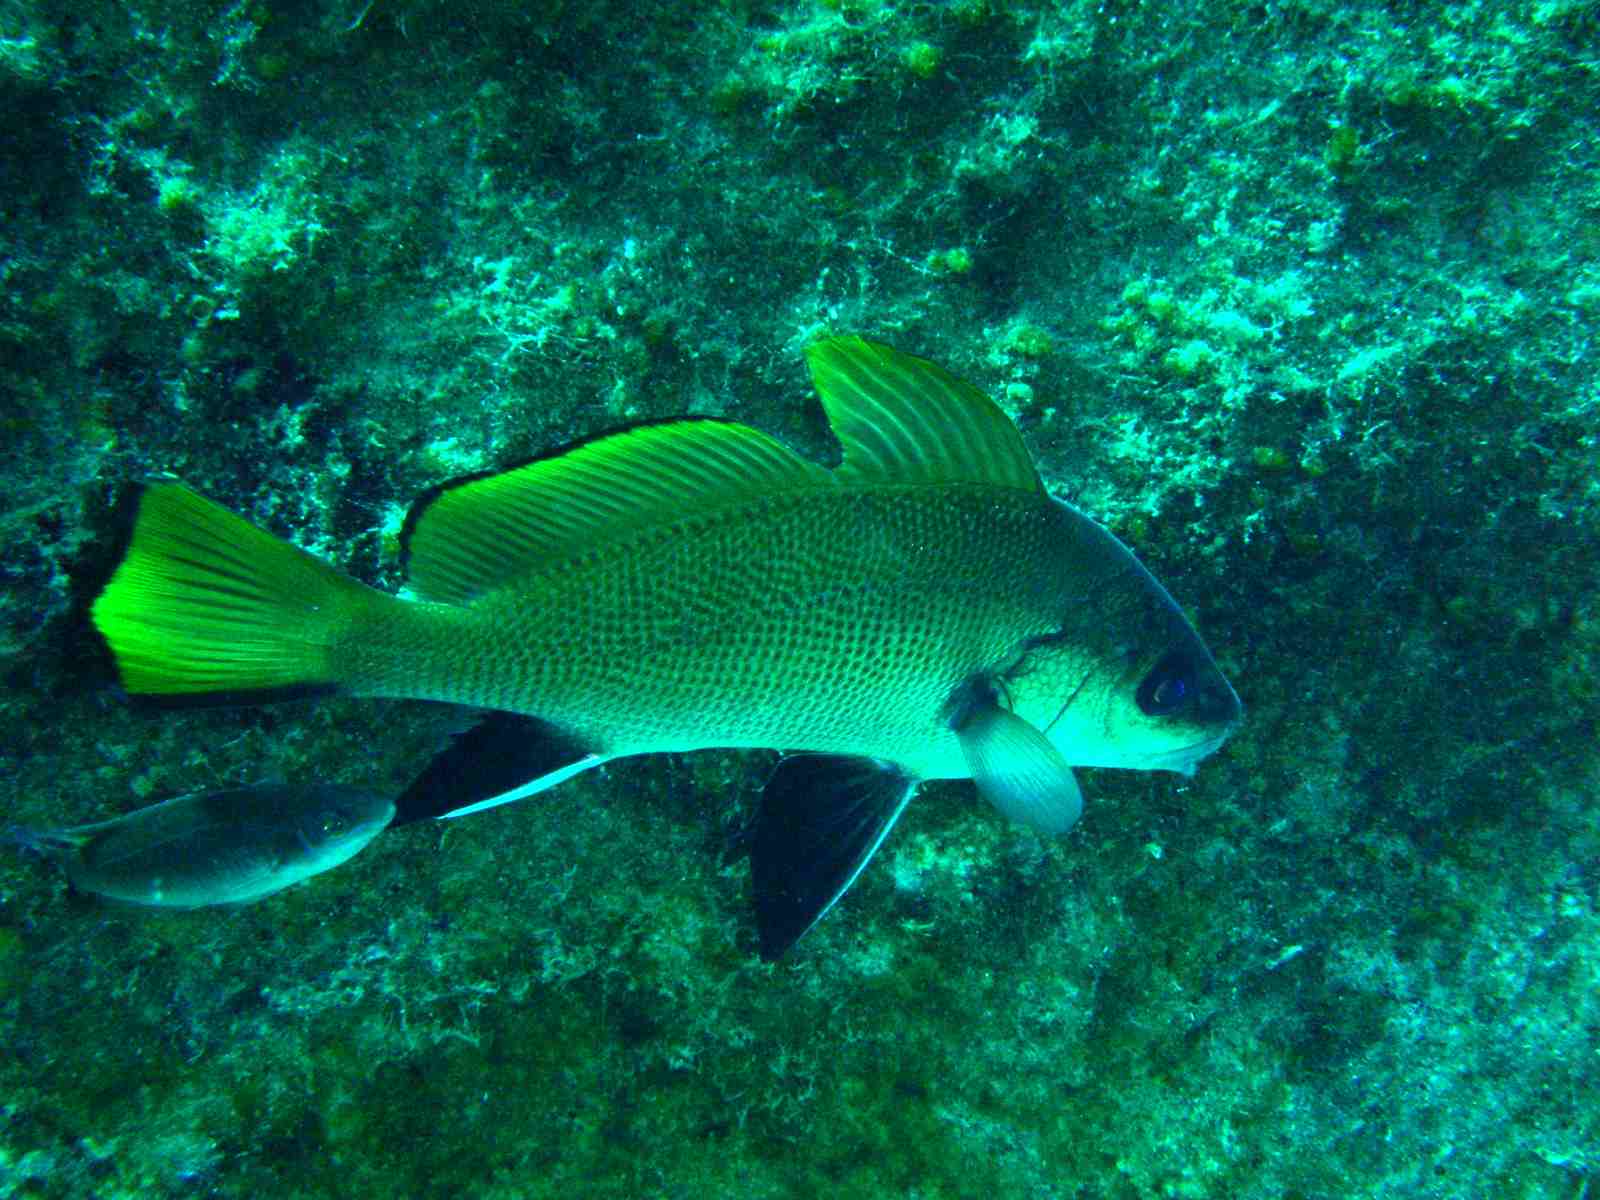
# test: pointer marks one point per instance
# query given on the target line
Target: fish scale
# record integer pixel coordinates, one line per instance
(772, 626)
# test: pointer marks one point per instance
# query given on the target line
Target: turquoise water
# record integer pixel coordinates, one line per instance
(1298, 299)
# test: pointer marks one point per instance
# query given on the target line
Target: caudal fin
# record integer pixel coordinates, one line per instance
(206, 607)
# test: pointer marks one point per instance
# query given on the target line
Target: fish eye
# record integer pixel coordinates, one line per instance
(1167, 688)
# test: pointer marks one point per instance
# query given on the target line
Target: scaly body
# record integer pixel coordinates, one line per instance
(834, 619)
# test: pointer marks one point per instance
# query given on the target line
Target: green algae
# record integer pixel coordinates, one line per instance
(1296, 298)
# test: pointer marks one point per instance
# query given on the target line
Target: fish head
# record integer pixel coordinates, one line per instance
(1151, 704)
(1124, 680)
(341, 821)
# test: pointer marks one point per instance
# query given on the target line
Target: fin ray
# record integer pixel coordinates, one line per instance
(207, 607)
(1018, 771)
(903, 418)
(469, 536)
(503, 758)
(822, 818)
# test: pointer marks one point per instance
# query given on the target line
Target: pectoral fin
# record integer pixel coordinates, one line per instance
(822, 817)
(1019, 771)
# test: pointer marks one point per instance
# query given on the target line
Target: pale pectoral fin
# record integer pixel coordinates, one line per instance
(822, 817)
(1019, 771)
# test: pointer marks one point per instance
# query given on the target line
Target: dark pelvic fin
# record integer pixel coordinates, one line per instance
(822, 817)
(502, 758)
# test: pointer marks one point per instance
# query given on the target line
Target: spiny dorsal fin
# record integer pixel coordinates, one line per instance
(901, 418)
(471, 536)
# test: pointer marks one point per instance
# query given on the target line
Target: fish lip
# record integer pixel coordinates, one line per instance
(1183, 758)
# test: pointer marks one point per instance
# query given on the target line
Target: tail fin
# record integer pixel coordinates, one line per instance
(205, 607)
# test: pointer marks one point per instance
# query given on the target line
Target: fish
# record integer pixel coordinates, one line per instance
(228, 847)
(922, 610)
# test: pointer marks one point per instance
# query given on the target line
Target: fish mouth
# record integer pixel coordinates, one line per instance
(1184, 758)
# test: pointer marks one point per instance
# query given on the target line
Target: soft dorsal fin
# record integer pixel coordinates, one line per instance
(901, 418)
(470, 536)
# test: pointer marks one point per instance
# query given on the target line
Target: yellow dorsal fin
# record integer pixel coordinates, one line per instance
(471, 536)
(902, 418)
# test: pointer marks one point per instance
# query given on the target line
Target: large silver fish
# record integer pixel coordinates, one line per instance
(924, 610)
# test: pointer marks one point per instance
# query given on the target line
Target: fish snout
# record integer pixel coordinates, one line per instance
(1216, 703)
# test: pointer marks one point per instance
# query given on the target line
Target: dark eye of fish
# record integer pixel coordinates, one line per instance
(1167, 688)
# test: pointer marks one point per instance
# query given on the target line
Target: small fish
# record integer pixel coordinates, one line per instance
(225, 847)
(924, 610)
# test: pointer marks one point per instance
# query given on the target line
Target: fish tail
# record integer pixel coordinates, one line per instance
(205, 607)
(40, 843)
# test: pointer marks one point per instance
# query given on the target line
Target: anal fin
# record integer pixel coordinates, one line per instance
(502, 758)
(822, 817)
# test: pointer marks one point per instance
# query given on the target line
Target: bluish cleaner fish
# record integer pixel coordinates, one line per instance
(924, 610)
(225, 847)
